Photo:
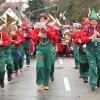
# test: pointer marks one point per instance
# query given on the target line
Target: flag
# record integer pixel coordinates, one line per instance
(89, 12)
(1, 22)
(9, 19)
(60, 15)
(93, 15)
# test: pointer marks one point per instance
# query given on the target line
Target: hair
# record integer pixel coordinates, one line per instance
(44, 15)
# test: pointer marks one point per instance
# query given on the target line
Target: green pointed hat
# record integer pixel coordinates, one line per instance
(93, 16)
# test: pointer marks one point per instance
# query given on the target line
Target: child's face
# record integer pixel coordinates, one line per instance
(94, 22)
(86, 25)
(42, 19)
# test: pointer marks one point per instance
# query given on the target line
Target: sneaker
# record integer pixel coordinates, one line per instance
(80, 76)
(46, 88)
(9, 77)
(40, 88)
(85, 80)
(28, 65)
(52, 78)
(2, 84)
(20, 70)
(76, 67)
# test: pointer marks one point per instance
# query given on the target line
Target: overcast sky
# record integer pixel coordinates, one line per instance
(15, 0)
(23, 7)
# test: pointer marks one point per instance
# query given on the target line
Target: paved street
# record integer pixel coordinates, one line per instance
(67, 85)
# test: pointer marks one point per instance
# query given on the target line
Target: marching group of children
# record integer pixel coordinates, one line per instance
(87, 50)
(47, 40)
(14, 45)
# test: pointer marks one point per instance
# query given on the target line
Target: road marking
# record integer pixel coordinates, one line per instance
(60, 61)
(66, 83)
(5, 79)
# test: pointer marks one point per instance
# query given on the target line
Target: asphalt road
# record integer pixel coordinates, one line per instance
(66, 86)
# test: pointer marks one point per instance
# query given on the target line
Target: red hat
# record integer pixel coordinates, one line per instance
(86, 21)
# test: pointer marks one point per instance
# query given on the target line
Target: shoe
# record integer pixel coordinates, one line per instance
(40, 88)
(2, 80)
(46, 88)
(2, 84)
(21, 70)
(52, 78)
(76, 67)
(85, 80)
(16, 73)
(98, 83)
(93, 88)
(9, 77)
(28, 65)
(80, 76)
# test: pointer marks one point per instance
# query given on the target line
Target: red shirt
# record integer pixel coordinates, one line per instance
(21, 35)
(78, 38)
(16, 40)
(5, 39)
(29, 33)
(52, 34)
(72, 35)
(87, 33)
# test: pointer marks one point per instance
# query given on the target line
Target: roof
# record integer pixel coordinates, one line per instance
(2, 1)
(11, 5)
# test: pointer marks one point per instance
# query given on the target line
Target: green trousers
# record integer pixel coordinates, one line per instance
(16, 56)
(2, 63)
(27, 51)
(44, 62)
(2, 68)
(84, 66)
(93, 55)
(21, 59)
(9, 60)
(76, 56)
(53, 51)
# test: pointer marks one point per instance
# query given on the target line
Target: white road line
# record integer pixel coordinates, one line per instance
(6, 81)
(60, 61)
(66, 83)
